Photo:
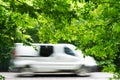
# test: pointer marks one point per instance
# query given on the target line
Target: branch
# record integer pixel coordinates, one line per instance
(4, 6)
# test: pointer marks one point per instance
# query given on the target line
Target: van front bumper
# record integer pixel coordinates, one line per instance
(91, 68)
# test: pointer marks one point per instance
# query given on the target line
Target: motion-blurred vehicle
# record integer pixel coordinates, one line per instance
(49, 58)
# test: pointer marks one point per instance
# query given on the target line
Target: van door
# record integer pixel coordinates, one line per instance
(45, 62)
(66, 58)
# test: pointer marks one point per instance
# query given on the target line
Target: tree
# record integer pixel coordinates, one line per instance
(12, 29)
(95, 28)
(92, 25)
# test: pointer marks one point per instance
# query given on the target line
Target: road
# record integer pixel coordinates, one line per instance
(94, 76)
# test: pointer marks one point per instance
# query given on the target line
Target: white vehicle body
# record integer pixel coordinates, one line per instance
(51, 58)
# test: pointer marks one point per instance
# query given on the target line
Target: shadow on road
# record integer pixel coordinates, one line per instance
(51, 75)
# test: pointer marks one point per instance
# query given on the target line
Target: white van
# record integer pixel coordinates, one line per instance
(48, 58)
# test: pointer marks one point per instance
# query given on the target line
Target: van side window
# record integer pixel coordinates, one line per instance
(46, 51)
(69, 51)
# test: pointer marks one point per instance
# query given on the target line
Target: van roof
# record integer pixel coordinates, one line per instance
(58, 44)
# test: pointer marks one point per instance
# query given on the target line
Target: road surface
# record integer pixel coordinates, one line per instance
(94, 76)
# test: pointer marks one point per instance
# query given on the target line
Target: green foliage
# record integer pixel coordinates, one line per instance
(92, 25)
(12, 29)
(2, 77)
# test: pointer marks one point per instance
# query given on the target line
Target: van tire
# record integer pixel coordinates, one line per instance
(82, 71)
(26, 71)
(26, 68)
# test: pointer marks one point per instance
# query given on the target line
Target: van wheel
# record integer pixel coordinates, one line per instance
(82, 71)
(26, 68)
(26, 71)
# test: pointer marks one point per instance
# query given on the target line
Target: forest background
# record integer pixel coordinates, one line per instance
(92, 25)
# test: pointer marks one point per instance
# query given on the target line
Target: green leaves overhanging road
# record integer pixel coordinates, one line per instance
(92, 25)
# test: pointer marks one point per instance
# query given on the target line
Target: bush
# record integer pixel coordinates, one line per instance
(2, 77)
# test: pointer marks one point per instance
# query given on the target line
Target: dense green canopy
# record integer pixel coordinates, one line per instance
(92, 25)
